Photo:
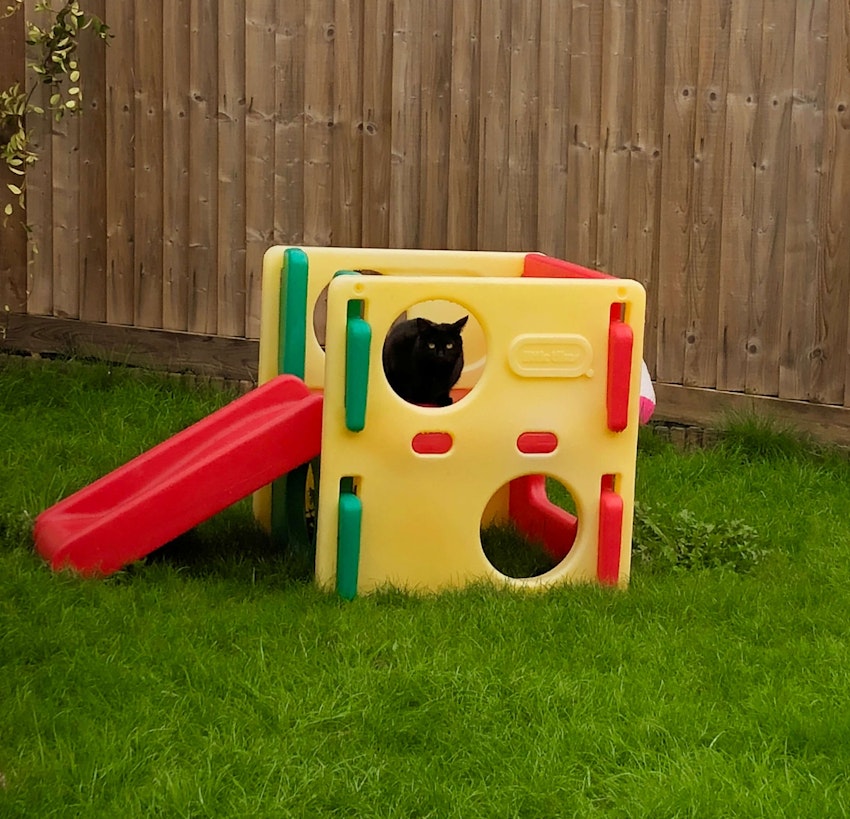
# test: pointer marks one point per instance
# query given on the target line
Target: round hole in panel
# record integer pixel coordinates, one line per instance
(529, 526)
(320, 310)
(434, 353)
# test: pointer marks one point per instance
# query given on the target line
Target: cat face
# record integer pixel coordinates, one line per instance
(440, 342)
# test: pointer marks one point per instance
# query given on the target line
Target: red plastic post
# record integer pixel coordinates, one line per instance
(620, 344)
(610, 533)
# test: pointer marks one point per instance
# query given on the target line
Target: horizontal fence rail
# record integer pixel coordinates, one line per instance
(699, 146)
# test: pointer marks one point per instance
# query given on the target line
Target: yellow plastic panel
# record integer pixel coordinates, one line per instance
(422, 513)
(324, 262)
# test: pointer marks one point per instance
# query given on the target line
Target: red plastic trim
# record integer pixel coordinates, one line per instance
(432, 443)
(538, 518)
(620, 344)
(610, 533)
(537, 443)
(539, 266)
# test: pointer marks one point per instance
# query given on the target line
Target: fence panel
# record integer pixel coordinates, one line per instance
(700, 147)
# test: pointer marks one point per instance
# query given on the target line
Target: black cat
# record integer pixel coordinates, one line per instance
(423, 360)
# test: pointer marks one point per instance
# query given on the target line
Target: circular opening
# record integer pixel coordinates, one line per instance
(320, 309)
(529, 526)
(434, 353)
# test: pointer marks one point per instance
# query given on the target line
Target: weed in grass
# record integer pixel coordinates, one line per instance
(665, 540)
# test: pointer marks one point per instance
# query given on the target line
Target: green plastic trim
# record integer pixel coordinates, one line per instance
(358, 341)
(289, 529)
(292, 333)
(348, 544)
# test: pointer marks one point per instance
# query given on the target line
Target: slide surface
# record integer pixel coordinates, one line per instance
(184, 480)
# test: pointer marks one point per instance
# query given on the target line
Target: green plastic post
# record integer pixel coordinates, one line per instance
(358, 340)
(288, 492)
(292, 333)
(348, 543)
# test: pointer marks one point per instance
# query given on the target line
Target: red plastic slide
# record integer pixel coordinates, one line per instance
(540, 519)
(184, 480)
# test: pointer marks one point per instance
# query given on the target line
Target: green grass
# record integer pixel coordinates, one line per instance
(213, 682)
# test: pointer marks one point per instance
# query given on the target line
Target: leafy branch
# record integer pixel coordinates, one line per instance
(55, 66)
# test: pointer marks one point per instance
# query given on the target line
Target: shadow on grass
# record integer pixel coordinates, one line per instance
(234, 546)
(513, 554)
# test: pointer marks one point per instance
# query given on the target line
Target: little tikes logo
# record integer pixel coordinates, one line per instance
(557, 355)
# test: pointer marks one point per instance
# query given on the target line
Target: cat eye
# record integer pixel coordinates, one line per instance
(432, 345)
(450, 345)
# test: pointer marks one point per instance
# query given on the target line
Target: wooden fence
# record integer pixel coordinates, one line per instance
(699, 146)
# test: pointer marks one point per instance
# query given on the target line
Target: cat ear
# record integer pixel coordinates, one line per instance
(460, 324)
(423, 323)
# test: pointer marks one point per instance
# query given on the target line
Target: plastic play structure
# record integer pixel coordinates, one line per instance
(551, 388)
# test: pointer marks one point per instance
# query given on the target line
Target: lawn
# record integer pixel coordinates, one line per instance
(213, 681)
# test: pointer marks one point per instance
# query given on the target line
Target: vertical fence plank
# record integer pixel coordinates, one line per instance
(615, 131)
(495, 124)
(646, 159)
(13, 237)
(291, 49)
(120, 165)
(736, 251)
(676, 260)
(523, 124)
(92, 193)
(203, 173)
(583, 148)
(40, 193)
(149, 152)
(435, 95)
(701, 350)
(260, 27)
(405, 182)
(462, 228)
(319, 122)
(347, 202)
(554, 105)
(231, 169)
(65, 175)
(175, 138)
(832, 220)
(377, 116)
(770, 206)
(805, 337)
